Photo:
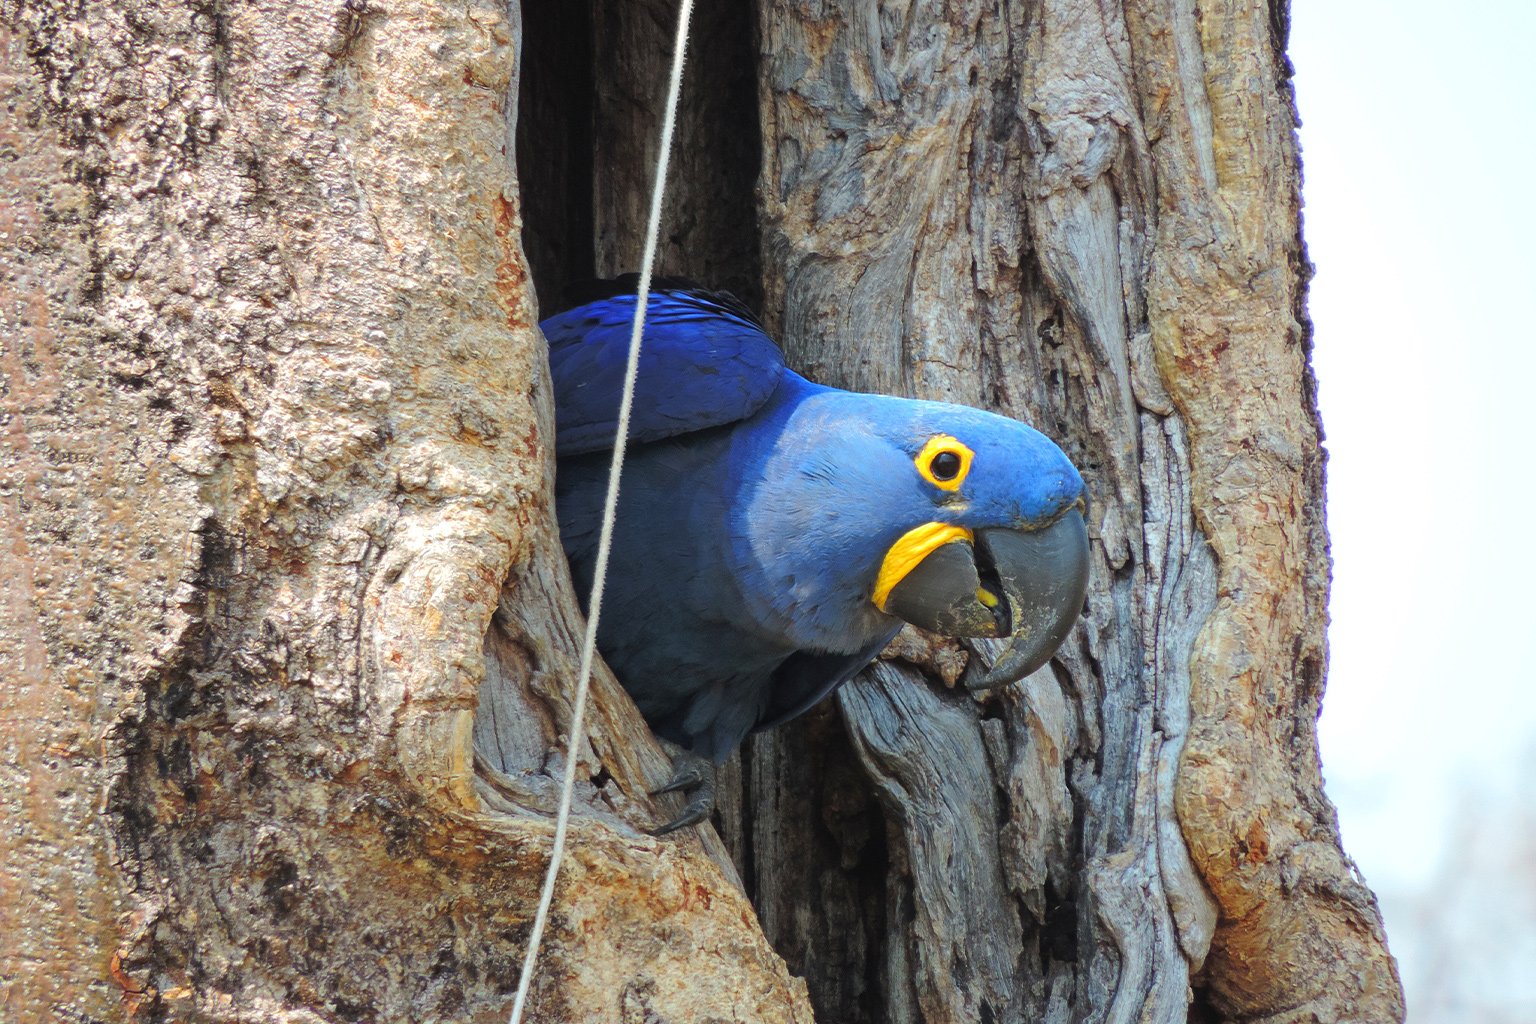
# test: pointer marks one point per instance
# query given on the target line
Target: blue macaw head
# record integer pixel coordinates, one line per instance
(953, 519)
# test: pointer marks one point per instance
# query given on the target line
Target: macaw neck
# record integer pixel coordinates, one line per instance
(823, 496)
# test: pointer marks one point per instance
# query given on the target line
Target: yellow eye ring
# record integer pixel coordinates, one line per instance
(944, 462)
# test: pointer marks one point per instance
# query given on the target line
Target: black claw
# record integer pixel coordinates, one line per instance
(694, 775)
(689, 771)
(697, 810)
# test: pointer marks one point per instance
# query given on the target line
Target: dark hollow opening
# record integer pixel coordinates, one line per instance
(591, 92)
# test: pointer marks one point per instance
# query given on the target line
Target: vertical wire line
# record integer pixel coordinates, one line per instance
(610, 507)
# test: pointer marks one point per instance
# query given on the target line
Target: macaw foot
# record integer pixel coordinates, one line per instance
(695, 776)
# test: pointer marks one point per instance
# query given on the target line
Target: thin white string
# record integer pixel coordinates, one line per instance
(610, 507)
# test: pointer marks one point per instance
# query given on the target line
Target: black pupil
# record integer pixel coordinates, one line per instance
(945, 466)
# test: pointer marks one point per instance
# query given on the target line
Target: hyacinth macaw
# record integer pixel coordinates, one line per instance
(774, 534)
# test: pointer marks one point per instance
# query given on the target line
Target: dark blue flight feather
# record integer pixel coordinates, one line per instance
(704, 362)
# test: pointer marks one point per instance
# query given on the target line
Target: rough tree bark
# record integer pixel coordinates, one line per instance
(288, 640)
(274, 452)
(1086, 216)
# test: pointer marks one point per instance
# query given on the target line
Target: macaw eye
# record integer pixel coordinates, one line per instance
(944, 462)
(944, 466)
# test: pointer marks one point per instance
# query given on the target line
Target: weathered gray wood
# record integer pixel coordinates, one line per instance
(969, 202)
(1024, 310)
(928, 758)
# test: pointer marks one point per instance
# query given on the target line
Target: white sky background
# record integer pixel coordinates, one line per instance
(1419, 159)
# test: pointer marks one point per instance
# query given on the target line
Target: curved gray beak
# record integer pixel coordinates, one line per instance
(1027, 585)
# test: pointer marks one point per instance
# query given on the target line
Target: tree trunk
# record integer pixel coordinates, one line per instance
(288, 638)
(1086, 217)
(276, 412)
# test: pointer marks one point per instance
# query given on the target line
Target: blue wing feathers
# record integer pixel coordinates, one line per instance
(806, 677)
(704, 362)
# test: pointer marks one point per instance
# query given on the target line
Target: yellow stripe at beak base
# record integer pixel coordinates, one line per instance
(913, 546)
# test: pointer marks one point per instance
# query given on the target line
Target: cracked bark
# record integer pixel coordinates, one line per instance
(287, 634)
